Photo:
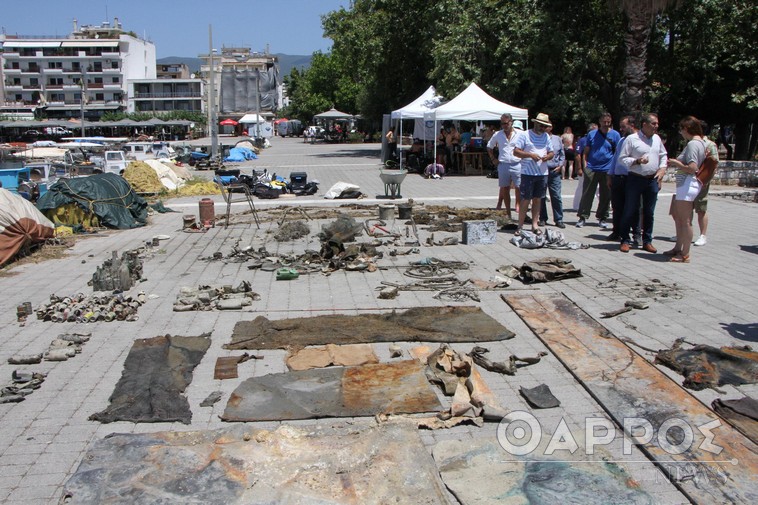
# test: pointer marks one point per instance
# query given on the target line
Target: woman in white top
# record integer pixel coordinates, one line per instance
(687, 186)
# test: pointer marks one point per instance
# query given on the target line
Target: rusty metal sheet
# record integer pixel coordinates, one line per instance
(331, 355)
(368, 390)
(704, 366)
(480, 472)
(629, 386)
(419, 324)
(239, 465)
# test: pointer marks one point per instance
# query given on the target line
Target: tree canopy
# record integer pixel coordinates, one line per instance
(569, 58)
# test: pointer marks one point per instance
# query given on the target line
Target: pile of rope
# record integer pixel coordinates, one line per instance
(143, 178)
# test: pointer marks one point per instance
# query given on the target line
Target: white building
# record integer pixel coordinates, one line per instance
(54, 73)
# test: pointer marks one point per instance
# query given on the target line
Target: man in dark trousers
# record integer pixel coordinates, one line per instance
(598, 156)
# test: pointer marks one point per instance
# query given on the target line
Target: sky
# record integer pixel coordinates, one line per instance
(180, 27)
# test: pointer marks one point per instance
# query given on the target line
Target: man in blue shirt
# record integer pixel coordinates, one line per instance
(617, 176)
(555, 167)
(598, 155)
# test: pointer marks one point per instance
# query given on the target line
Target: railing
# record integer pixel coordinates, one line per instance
(188, 94)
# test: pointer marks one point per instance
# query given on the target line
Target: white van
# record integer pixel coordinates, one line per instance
(148, 150)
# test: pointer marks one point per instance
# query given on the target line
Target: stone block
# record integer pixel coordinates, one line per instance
(479, 232)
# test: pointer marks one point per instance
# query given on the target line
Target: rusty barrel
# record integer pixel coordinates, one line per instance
(207, 212)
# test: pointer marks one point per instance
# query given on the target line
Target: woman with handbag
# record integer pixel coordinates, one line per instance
(688, 186)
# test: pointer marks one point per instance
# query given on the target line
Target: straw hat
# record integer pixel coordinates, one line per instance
(543, 118)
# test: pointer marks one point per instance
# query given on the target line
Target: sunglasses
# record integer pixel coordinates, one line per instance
(505, 122)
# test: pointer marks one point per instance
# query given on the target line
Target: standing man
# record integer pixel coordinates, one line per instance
(617, 181)
(598, 157)
(645, 157)
(555, 175)
(534, 171)
(511, 146)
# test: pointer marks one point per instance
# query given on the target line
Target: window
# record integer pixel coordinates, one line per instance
(54, 64)
(16, 81)
(76, 66)
(34, 82)
(99, 97)
(114, 64)
(116, 80)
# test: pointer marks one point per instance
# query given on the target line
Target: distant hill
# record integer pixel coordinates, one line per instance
(286, 62)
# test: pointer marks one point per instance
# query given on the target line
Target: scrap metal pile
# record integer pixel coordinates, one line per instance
(80, 308)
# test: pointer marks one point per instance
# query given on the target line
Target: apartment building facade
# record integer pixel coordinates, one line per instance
(51, 76)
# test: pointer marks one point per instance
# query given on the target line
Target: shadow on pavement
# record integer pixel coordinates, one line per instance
(747, 332)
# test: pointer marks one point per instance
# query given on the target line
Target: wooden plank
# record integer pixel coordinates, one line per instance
(628, 386)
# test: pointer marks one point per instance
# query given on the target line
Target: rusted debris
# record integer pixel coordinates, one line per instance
(118, 273)
(88, 309)
(614, 313)
(291, 230)
(241, 465)
(22, 384)
(424, 324)
(704, 366)
(540, 397)
(628, 386)
(331, 355)
(212, 399)
(226, 366)
(514, 362)
(392, 388)
(156, 373)
(741, 413)
(206, 297)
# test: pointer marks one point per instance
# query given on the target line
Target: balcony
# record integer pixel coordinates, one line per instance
(13, 71)
(94, 85)
(13, 87)
(185, 94)
(54, 86)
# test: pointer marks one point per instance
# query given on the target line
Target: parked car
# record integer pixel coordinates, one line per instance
(57, 131)
(32, 133)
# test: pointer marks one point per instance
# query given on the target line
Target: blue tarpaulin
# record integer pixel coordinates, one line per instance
(241, 154)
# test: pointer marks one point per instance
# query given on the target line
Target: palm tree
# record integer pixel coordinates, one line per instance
(640, 15)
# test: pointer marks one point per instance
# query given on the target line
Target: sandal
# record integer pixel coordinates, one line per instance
(517, 232)
(680, 259)
(672, 252)
(537, 231)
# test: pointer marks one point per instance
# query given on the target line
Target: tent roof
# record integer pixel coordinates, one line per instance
(428, 101)
(474, 104)
(334, 114)
(252, 118)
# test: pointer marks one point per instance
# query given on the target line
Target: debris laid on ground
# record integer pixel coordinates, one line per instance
(458, 377)
(331, 355)
(25, 359)
(551, 239)
(291, 230)
(366, 390)
(118, 273)
(240, 465)
(66, 346)
(212, 399)
(221, 297)
(226, 366)
(742, 414)
(88, 309)
(629, 305)
(22, 385)
(703, 366)
(419, 324)
(514, 362)
(542, 270)
(540, 397)
(482, 472)
(156, 373)
(23, 311)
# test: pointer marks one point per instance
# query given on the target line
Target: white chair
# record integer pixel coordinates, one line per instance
(236, 192)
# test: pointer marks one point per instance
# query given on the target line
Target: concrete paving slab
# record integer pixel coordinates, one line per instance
(717, 307)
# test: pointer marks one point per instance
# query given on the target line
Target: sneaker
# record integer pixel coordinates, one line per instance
(701, 240)
(605, 224)
(580, 223)
(560, 224)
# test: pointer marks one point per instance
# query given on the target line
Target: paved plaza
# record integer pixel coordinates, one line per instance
(44, 438)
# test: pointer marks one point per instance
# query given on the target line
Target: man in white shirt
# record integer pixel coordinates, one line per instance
(534, 171)
(511, 147)
(645, 156)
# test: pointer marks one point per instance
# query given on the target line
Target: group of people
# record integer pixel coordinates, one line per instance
(625, 169)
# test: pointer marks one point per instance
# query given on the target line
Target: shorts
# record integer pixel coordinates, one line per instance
(687, 187)
(507, 175)
(701, 201)
(533, 186)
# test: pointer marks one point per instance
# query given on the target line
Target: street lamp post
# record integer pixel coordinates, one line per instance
(81, 102)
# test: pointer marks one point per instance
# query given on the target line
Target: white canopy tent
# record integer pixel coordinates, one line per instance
(428, 101)
(473, 104)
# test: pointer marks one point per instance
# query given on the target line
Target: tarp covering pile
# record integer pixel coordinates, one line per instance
(21, 225)
(156, 373)
(241, 154)
(107, 196)
(370, 466)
